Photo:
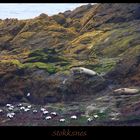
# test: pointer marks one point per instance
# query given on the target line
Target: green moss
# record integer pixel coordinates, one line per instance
(131, 52)
(104, 65)
(45, 55)
(41, 57)
(48, 67)
(13, 62)
(118, 46)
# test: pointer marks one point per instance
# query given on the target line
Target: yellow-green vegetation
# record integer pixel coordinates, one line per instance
(104, 65)
(55, 28)
(1, 23)
(32, 25)
(26, 35)
(119, 46)
(85, 36)
(48, 67)
(20, 38)
(46, 55)
(5, 38)
(132, 52)
(46, 59)
(12, 62)
(111, 43)
(84, 42)
(58, 28)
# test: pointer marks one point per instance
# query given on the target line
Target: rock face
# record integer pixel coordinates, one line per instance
(80, 84)
(36, 55)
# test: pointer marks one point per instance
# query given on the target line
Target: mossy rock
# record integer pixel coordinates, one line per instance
(48, 67)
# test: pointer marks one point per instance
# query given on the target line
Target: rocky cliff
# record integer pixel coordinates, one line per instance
(36, 55)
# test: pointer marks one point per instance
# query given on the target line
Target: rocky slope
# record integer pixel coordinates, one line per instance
(36, 55)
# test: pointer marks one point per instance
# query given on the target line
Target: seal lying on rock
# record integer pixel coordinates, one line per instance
(83, 70)
(126, 90)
